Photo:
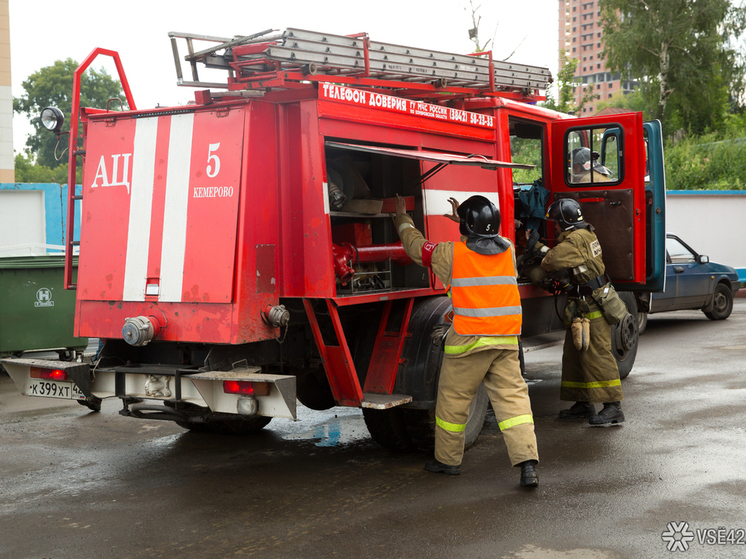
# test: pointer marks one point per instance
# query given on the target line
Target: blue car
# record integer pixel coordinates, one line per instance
(693, 282)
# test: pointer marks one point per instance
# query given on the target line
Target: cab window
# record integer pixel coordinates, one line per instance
(594, 156)
(526, 140)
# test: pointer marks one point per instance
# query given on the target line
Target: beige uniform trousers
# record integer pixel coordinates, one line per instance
(591, 375)
(460, 378)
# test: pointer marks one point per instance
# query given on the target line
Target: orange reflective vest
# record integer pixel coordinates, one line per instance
(485, 294)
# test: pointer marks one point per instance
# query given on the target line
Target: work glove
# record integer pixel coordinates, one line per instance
(439, 333)
(581, 333)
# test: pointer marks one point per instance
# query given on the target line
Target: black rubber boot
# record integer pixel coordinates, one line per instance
(612, 413)
(438, 467)
(579, 410)
(529, 477)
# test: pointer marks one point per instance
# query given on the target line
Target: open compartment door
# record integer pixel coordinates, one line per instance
(436, 177)
(600, 162)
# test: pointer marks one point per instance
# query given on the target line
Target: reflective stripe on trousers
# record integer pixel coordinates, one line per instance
(517, 420)
(507, 424)
(452, 427)
(587, 385)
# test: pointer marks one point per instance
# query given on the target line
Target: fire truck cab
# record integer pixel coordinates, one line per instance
(238, 252)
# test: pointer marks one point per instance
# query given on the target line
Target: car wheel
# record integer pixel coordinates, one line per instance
(642, 323)
(722, 304)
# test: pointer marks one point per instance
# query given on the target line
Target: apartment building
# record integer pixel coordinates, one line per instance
(581, 38)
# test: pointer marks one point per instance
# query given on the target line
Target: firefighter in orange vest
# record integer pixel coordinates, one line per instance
(482, 344)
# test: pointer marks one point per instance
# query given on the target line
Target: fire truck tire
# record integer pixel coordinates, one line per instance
(625, 336)
(312, 391)
(406, 430)
(421, 423)
(389, 429)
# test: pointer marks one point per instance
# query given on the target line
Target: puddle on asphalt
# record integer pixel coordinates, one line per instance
(165, 442)
(334, 427)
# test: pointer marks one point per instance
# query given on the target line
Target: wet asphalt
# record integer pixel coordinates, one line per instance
(80, 485)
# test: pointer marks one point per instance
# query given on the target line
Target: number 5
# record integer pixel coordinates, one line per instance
(210, 158)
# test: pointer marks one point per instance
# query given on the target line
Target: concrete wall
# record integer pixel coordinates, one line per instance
(711, 222)
(22, 222)
(32, 218)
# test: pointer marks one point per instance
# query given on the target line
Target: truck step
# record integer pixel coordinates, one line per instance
(384, 401)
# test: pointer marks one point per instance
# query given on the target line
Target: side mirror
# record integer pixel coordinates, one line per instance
(702, 259)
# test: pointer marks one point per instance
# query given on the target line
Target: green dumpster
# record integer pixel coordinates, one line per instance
(36, 312)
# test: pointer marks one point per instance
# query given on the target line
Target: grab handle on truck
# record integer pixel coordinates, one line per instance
(74, 151)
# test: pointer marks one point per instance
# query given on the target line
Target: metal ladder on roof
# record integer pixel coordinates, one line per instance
(255, 59)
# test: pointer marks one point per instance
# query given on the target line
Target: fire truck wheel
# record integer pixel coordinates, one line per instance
(312, 389)
(389, 429)
(625, 336)
(405, 430)
(421, 423)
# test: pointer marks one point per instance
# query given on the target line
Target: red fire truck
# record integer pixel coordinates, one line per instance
(237, 253)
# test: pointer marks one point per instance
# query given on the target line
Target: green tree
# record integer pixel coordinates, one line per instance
(53, 86)
(681, 53)
(27, 171)
(566, 86)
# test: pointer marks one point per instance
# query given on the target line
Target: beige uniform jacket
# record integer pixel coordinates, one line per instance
(579, 251)
(442, 266)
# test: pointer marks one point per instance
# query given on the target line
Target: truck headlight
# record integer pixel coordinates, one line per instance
(52, 119)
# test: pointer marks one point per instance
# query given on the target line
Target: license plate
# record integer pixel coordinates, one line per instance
(53, 389)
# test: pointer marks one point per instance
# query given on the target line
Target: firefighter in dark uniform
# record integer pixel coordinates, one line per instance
(481, 346)
(589, 376)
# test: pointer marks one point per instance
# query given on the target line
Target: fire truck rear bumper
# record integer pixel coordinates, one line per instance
(229, 392)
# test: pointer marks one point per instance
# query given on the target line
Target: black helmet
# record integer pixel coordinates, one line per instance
(479, 218)
(581, 156)
(585, 158)
(567, 213)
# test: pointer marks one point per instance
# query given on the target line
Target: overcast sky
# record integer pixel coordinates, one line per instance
(42, 31)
